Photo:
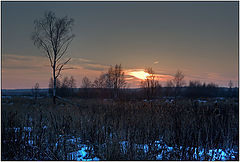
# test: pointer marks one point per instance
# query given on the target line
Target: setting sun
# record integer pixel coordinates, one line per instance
(139, 74)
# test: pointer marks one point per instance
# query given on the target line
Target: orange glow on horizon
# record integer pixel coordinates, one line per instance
(139, 74)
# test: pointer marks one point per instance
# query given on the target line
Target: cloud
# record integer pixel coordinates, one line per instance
(39, 63)
(156, 62)
(95, 67)
(80, 60)
(88, 64)
(30, 63)
(20, 71)
(18, 57)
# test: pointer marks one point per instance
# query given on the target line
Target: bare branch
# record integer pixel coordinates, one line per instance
(61, 66)
(65, 49)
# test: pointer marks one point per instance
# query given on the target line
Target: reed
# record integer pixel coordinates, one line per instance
(121, 130)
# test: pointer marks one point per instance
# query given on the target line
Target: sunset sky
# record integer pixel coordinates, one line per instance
(198, 38)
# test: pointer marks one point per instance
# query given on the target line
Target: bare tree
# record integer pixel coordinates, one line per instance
(109, 81)
(195, 83)
(169, 84)
(64, 90)
(67, 86)
(53, 35)
(65, 82)
(35, 90)
(119, 80)
(100, 82)
(169, 87)
(115, 79)
(100, 85)
(150, 84)
(230, 84)
(212, 85)
(72, 84)
(178, 79)
(86, 83)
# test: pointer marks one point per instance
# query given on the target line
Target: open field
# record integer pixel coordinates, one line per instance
(164, 129)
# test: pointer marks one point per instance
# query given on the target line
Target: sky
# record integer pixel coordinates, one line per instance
(198, 38)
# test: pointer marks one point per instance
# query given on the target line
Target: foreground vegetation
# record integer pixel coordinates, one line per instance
(115, 130)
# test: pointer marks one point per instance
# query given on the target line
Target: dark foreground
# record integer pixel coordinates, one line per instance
(164, 129)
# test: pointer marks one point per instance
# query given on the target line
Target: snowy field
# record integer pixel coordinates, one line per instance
(107, 130)
(85, 152)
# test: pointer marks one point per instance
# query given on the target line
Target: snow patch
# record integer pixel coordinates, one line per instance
(82, 155)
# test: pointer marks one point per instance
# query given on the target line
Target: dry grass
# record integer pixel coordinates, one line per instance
(104, 125)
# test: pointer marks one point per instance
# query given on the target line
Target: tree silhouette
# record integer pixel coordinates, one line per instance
(178, 79)
(115, 79)
(53, 35)
(72, 84)
(169, 83)
(150, 84)
(35, 90)
(230, 84)
(100, 82)
(65, 87)
(86, 83)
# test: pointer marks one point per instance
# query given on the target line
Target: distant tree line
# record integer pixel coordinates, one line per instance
(108, 85)
(113, 85)
(64, 88)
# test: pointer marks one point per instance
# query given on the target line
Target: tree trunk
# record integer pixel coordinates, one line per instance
(54, 86)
